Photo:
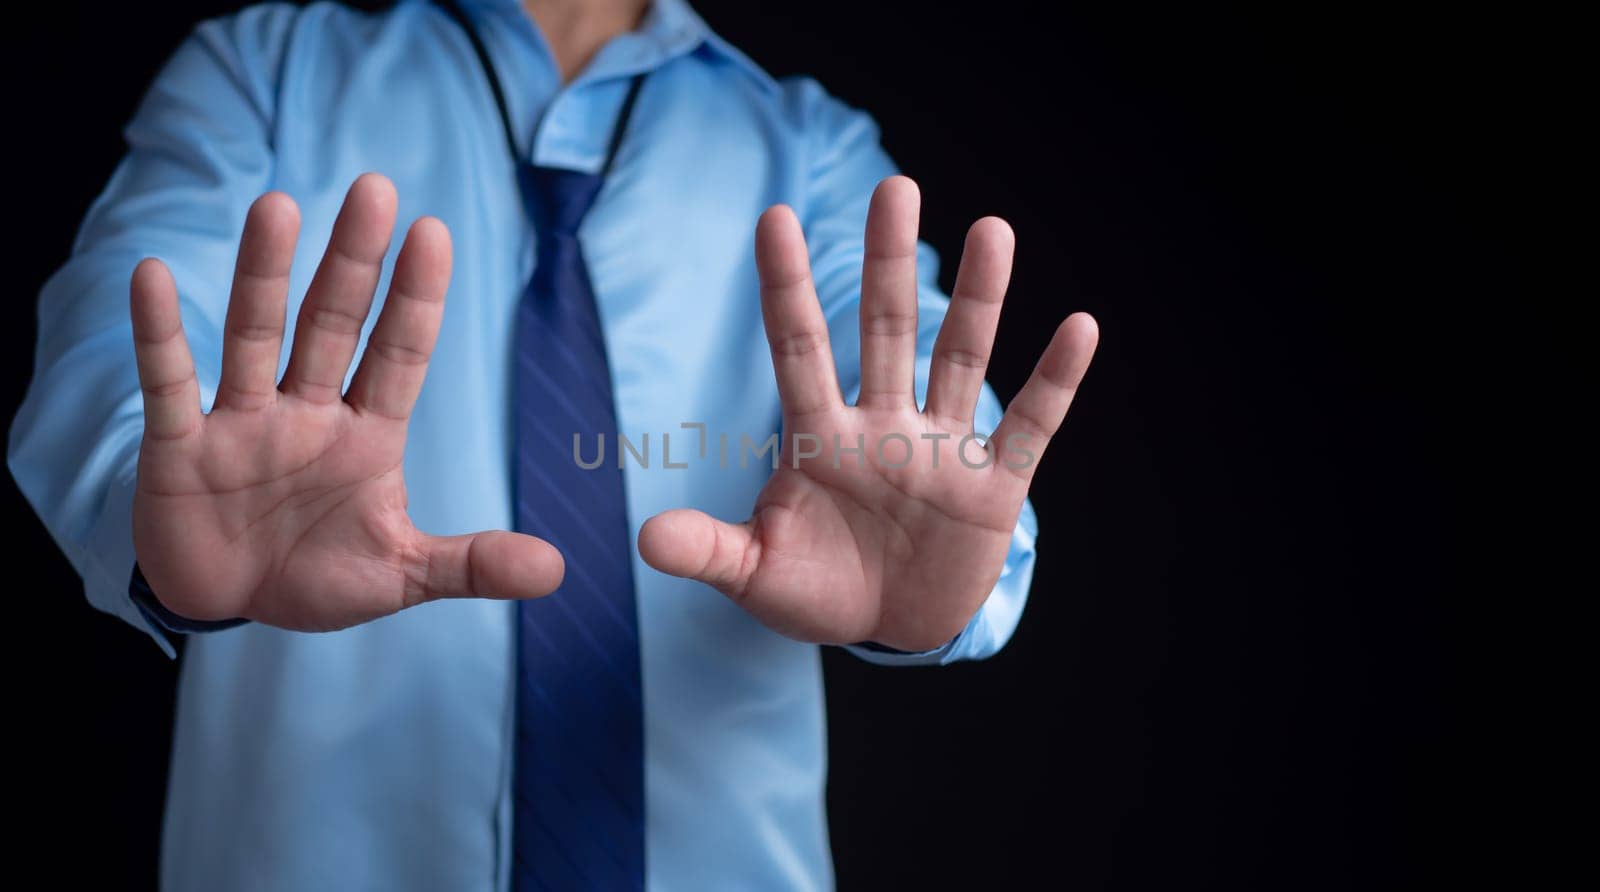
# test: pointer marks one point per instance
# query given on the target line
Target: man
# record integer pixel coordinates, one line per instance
(586, 175)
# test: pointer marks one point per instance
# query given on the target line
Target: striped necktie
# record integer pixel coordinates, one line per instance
(578, 774)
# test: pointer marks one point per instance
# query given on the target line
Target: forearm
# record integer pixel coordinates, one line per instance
(198, 153)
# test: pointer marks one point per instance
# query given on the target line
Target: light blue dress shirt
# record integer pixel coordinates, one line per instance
(379, 757)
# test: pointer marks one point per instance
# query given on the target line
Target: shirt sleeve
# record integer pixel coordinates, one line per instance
(199, 152)
(848, 161)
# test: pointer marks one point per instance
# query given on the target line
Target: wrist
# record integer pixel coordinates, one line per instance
(145, 598)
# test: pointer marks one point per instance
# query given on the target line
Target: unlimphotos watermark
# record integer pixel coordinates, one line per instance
(891, 450)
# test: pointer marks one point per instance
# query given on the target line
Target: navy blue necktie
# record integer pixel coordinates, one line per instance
(579, 770)
(578, 774)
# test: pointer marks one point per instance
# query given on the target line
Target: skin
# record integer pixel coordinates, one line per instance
(839, 551)
(576, 29)
(286, 504)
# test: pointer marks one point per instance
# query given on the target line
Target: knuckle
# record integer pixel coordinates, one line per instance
(889, 323)
(336, 320)
(254, 332)
(799, 344)
(343, 253)
(965, 358)
(399, 354)
(166, 389)
(1029, 425)
(248, 399)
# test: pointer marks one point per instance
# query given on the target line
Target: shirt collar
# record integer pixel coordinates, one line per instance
(674, 27)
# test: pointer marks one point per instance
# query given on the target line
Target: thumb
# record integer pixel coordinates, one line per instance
(496, 564)
(695, 545)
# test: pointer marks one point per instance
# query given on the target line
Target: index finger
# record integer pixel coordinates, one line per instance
(1040, 407)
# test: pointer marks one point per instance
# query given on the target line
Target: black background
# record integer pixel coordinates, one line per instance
(1231, 673)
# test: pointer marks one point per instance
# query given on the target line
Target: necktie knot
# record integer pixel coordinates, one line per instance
(557, 199)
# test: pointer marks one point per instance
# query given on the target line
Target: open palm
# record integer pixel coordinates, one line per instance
(286, 503)
(901, 542)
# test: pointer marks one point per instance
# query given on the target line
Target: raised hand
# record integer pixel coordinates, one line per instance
(899, 544)
(286, 503)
